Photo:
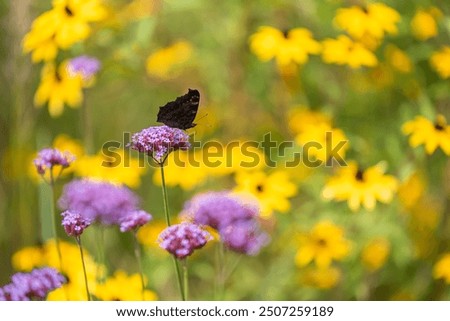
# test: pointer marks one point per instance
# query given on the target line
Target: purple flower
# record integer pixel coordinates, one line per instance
(34, 285)
(98, 201)
(47, 158)
(159, 141)
(244, 237)
(84, 65)
(219, 209)
(134, 220)
(182, 239)
(74, 224)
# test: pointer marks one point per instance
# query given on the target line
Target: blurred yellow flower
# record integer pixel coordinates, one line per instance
(398, 59)
(123, 287)
(271, 190)
(374, 21)
(323, 244)
(149, 233)
(46, 255)
(424, 24)
(411, 190)
(320, 139)
(58, 87)
(359, 186)
(375, 254)
(440, 61)
(167, 62)
(62, 26)
(425, 132)
(118, 169)
(321, 278)
(301, 118)
(344, 51)
(441, 269)
(293, 46)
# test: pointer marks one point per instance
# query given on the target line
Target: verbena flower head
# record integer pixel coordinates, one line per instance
(134, 220)
(34, 285)
(244, 237)
(182, 239)
(98, 201)
(159, 141)
(85, 66)
(74, 224)
(219, 209)
(48, 158)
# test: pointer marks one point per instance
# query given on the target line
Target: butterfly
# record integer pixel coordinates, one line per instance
(181, 112)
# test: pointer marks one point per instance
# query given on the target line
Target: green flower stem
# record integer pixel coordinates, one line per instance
(137, 253)
(185, 278)
(78, 239)
(167, 215)
(53, 214)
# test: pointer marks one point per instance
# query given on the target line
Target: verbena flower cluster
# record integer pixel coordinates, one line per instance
(85, 66)
(182, 239)
(159, 141)
(103, 202)
(34, 285)
(47, 158)
(134, 220)
(236, 220)
(74, 224)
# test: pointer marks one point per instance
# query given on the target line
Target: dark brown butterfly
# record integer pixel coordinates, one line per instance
(181, 112)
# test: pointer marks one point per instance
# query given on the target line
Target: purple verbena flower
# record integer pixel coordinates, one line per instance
(182, 239)
(219, 209)
(74, 224)
(134, 220)
(85, 66)
(244, 237)
(98, 201)
(34, 285)
(159, 141)
(47, 158)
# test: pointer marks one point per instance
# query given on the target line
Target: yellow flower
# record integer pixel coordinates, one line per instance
(167, 62)
(323, 244)
(321, 278)
(373, 21)
(411, 190)
(293, 46)
(58, 87)
(359, 186)
(301, 118)
(441, 269)
(31, 257)
(425, 132)
(398, 59)
(375, 254)
(120, 169)
(319, 140)
(149, 233)
(424, 25)
(272, 191)
(440, 61)
(344, 51)
(62, 26)
(123, 287)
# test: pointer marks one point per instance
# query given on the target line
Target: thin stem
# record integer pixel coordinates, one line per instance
(164, 192)
(137, 253)
(78, 239)
(100, 253)
(185, 278)
(53, 214)
(180, 281)
(87, 126)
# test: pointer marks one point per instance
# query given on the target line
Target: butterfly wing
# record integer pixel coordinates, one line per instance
(181, 112)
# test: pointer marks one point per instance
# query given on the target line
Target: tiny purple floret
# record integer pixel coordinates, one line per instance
(74, 224)
(47, 158)
(85, 66)
(134, 220)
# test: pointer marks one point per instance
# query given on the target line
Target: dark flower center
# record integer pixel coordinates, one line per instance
(439, 127)
(68, 11)
(57, 76)
(359, 175)
(260, 188)
(286, 33)
(321, 242)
